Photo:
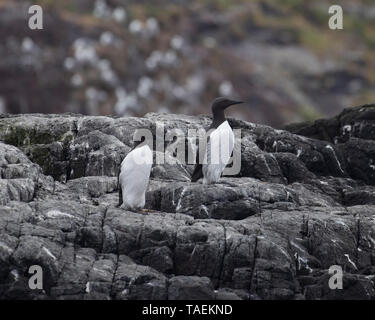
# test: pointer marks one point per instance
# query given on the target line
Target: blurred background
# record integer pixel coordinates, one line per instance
(130, 57)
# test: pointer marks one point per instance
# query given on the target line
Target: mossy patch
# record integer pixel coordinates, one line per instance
(22, 136)
(19, 136)
(51, 159)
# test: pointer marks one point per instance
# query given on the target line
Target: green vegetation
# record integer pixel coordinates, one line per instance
(309, 113)
(314, 39)
(292, 4)
(22, 136)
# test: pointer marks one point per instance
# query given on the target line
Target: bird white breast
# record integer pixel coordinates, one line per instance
(135, 175)
(218, 153)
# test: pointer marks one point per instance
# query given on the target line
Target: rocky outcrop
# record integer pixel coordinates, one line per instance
(353, 132)
(298, 206)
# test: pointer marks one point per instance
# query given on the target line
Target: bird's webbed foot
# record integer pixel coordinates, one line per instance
(147, 211)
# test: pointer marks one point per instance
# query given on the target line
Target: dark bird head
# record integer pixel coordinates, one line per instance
(218, 107)
(220, 104)
(142, 136)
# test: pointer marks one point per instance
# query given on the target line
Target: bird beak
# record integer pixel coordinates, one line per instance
(235, 102)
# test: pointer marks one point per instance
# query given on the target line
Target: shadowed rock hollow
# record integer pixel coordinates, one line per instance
(298, 206)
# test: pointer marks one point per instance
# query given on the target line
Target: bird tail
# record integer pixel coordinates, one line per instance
(197, 174)
(120, 200)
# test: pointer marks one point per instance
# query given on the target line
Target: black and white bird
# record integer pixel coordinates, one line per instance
(220, 144)
(134, 177)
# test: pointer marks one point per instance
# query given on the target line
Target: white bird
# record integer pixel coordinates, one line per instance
(219, 146)
(134, 177)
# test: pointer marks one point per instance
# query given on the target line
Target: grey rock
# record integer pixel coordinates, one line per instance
(299, 205)
(190, 288)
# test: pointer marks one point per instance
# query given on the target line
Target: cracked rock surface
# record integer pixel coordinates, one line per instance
(302, 202)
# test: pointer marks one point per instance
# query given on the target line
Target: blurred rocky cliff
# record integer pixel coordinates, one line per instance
(131, 57)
